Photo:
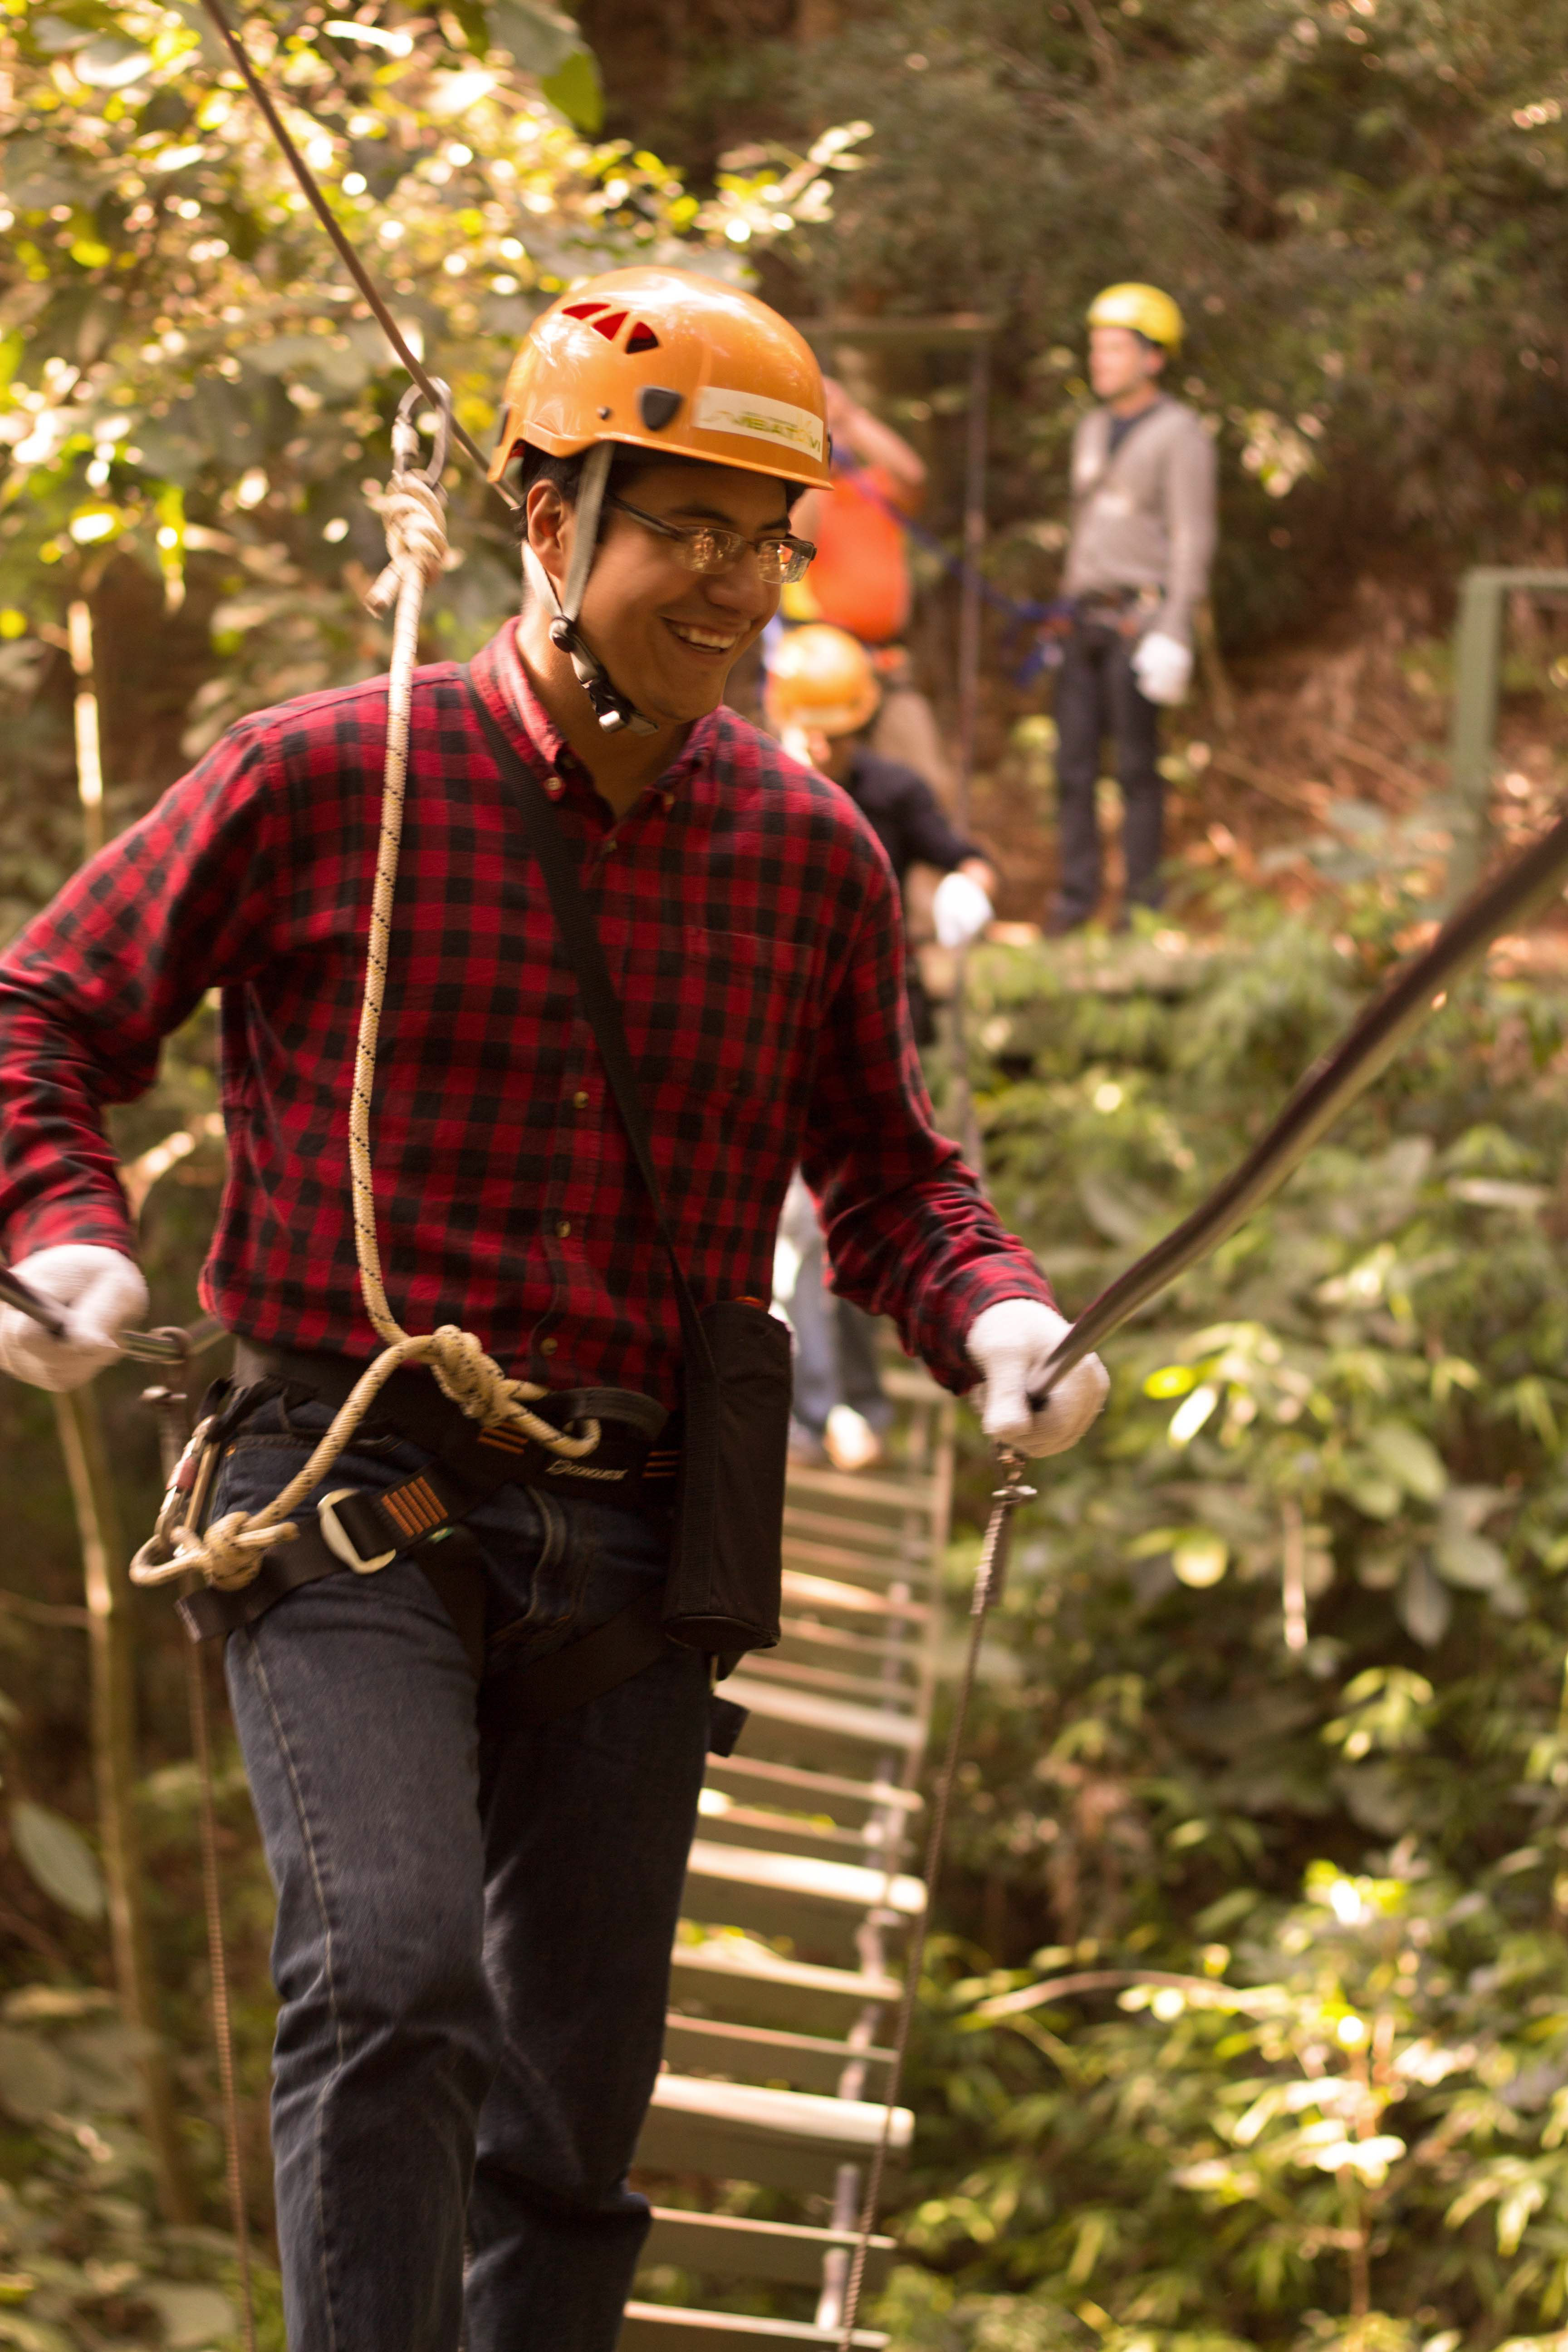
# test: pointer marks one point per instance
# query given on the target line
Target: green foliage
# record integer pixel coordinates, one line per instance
(82, 2263)
(1359, 205)
(1274, 1785)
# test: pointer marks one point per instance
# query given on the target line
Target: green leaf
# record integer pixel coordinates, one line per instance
(1200, 1560)
(540, 39)
(55, 35)
(576, 89)
(1425, 1607)
(58, 1858)
(1408, 1456)
(111, 62)
(34, 2081)
(191, 2315)
(1470, 1560)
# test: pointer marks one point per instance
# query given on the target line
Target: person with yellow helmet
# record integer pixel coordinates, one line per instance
(821, 699)
(1137, 568)
(475, 1805)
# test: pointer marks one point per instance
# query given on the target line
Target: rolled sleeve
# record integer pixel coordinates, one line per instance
(910, 1232)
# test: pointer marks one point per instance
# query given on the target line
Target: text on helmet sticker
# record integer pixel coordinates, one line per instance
(720, 410)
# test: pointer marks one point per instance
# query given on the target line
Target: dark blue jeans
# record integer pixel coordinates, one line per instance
(473, 1937)
(1097, 695)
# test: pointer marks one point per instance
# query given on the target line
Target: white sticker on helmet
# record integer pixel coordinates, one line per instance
(718, 410)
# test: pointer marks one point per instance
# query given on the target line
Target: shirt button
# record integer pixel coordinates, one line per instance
(562, 1226)
(548, 1347)
(552, 786)
(580, 1102)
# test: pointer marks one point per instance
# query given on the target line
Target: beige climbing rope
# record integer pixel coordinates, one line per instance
(231, 1551)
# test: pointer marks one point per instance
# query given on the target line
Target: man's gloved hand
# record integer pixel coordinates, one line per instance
(1163, 667)
(97, 1291)
(1012, 1343)
(960, 910)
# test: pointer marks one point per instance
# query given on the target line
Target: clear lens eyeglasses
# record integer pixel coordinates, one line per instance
(707, 547)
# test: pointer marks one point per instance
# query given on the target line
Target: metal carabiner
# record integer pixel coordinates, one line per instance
(406, 433)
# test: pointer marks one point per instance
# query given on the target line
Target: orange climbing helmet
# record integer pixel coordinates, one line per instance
(821, 682)
(672, 362)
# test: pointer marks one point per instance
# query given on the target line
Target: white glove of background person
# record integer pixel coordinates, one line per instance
(98, 1290)
(1163, 667)
(960, 910)
(1012, 1342)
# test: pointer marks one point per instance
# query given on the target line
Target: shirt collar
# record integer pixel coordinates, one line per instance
(502, 681)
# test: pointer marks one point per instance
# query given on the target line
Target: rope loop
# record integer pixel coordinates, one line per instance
(230, 1553)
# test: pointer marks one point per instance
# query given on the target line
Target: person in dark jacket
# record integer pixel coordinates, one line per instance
(822, 695)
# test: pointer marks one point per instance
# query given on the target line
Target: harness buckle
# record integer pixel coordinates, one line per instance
(337, 1539)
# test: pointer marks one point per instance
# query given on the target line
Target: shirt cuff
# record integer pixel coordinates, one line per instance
(103, 1222)
(1010, 1273)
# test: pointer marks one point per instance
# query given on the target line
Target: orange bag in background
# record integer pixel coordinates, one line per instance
(860, 580)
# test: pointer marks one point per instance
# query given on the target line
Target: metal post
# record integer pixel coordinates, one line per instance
(1478, 668)
(969, 593)
(969, 710)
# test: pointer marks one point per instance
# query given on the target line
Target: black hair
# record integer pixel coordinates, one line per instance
(565, 476)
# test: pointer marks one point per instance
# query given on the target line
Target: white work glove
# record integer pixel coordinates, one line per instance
(1163, 667)
(960, 910)
(97, 1291)
(1011, 1343)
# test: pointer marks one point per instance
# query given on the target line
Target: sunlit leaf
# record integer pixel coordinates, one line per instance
(58, 1858)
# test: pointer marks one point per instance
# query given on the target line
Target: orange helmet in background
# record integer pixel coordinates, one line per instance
(821, 682)
(673, 362)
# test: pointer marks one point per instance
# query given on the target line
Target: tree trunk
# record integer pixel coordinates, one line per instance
(108, 1588)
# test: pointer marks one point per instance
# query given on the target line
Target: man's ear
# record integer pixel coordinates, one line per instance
(549, 529)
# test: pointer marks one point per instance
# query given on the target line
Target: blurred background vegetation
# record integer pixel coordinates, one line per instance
(1272, 1763)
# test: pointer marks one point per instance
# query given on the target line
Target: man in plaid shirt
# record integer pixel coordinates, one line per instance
(471, 1950)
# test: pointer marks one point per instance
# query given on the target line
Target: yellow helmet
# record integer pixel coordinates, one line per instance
(821, 682)
(674, 362)
(1144, 309)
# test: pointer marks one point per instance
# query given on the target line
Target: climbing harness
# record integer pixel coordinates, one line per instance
(230, 1552)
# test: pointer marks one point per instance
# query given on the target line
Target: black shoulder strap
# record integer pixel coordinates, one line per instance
(580, 936)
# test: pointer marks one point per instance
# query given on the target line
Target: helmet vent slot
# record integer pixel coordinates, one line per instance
(642, 338)
(610, 325)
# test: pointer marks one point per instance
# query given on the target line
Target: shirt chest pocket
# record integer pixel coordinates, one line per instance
(724, 1013)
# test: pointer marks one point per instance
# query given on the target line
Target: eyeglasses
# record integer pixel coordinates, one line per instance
(707, 547)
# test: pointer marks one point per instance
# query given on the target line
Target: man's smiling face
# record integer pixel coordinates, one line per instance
(667, 636)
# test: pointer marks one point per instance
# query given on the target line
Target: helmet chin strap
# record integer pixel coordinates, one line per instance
(614, 711)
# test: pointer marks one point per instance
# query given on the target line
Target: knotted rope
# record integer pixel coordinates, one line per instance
(231, 1551)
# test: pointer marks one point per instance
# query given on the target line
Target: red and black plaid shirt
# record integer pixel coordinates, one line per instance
(753, 932)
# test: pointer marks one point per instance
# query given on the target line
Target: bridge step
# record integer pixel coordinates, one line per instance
(806, 2061)
(724, 1822)
(780, 2139)
(798, 1727)
(765, 2250)
(731, 1977)
(663, 2328)
(787, 1786)
(793, 1893)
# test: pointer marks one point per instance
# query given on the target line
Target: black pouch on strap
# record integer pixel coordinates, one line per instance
(724, 1579)
(722, 1595)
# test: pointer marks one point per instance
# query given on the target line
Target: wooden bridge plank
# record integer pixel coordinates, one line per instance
(663, 2328)
(741, 2248)
(731, 1976)
(806, 2061)
(779, 2139)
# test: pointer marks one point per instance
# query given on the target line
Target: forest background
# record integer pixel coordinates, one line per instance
(1273, 1753)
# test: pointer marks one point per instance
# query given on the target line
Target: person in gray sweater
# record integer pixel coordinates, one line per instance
(1137, 569)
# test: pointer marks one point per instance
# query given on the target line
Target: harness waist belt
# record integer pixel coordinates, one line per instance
(634, 1465)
